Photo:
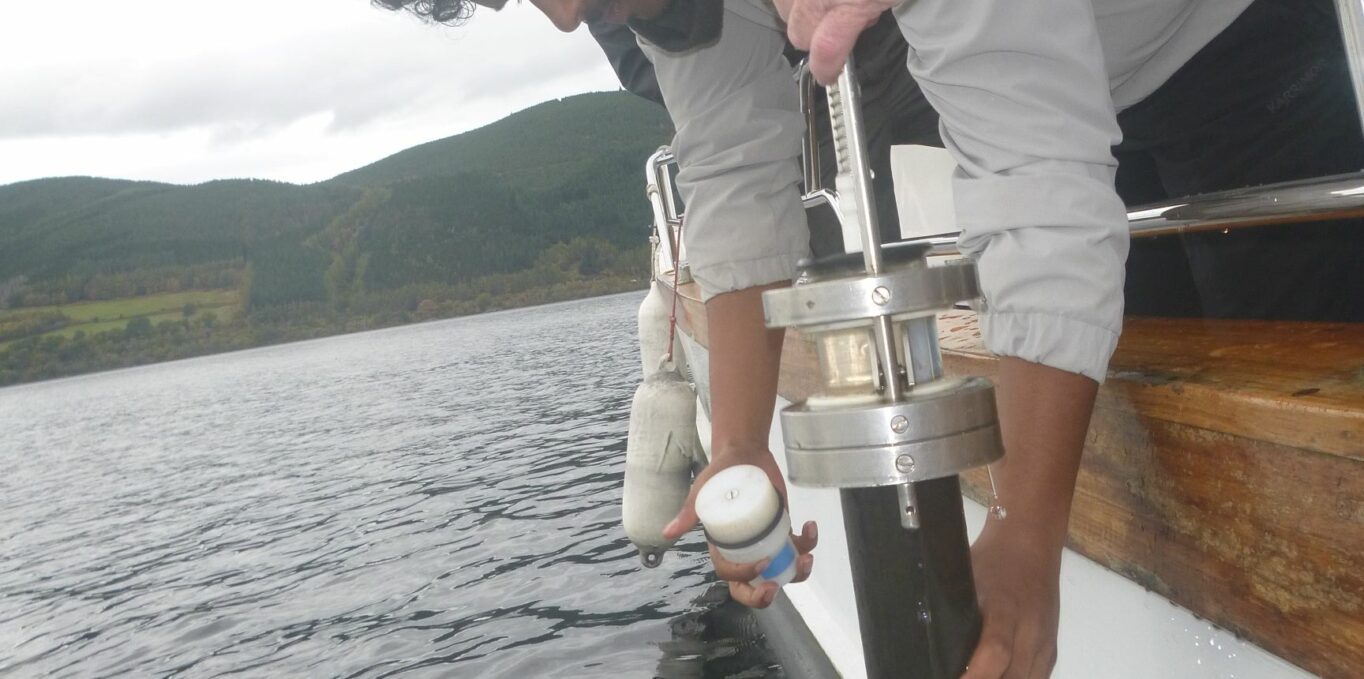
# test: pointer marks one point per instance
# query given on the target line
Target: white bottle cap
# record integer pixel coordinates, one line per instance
(738, 504)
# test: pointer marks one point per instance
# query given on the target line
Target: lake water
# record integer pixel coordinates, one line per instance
(431, 500)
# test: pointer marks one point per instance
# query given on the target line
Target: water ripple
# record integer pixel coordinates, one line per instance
(432, 500)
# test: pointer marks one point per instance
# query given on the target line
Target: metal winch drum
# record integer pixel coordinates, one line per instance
(848, 434)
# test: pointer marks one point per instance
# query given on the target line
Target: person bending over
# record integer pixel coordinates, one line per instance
(1028, 92)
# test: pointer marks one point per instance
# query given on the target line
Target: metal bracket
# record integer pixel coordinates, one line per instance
(942, 428)
(913, 290)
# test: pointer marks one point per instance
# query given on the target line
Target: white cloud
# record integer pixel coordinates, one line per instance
(298, 90)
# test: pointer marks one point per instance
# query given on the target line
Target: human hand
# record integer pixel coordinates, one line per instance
(1018, 588)
(828, 29)
(740, 576)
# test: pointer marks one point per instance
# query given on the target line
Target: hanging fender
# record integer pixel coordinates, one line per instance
(654, 332)
(659, 452)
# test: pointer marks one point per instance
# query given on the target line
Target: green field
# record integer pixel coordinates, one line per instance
(96, 317)
(129, 307)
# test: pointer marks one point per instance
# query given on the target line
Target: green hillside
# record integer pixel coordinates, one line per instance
(27, 203)
(487, 201)
(540, 147)
(546, 199)
(128, 226)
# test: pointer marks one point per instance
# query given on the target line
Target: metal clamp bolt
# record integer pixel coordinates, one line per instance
(905, 464)
(881, 295)
(899, 424)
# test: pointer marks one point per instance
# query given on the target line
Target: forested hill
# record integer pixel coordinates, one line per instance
(491, 201)
(539, 146)
(59, 233)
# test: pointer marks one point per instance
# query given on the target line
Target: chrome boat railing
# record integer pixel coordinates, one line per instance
(1306, 200)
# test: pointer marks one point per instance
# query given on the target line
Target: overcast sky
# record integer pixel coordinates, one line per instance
(295, 90)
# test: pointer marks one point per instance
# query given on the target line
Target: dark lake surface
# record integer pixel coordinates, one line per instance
(432, 500)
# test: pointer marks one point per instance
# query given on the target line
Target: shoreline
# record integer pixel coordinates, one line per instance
(253, 333)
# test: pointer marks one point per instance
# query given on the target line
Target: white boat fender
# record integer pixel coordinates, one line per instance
(654, 329)
(658, 458)
(745, 520)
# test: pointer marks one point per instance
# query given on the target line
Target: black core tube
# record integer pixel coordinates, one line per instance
(916, 601)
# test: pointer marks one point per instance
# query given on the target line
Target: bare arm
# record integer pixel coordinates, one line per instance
(1044, 414)
(745, 361)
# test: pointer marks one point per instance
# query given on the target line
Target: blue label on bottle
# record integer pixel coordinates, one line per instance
(779, 562)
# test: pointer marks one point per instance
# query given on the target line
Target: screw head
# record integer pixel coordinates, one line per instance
(905, 464)
(899, 424)
(880, 295)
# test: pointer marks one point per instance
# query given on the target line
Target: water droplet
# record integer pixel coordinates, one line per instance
(999, 512)
(924, 616)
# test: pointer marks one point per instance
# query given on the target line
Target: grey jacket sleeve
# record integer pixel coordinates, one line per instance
(735, 108)
(1026, 113)
(1025, 109)
(632, 68)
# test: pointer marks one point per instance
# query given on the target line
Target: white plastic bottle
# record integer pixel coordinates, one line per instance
(745, 520)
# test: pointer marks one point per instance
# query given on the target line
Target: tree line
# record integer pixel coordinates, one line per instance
(578, 268)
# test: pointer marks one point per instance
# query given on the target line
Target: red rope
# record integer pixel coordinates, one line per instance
(677, 266)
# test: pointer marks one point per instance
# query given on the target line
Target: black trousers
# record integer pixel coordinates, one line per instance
(1268, 100)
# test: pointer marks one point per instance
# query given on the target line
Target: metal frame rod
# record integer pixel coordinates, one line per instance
(809, 144)
(850, 138)
(1351, 16)
(923, 360)
(845, 118)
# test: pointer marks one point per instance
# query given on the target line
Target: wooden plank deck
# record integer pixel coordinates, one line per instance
(1224, 470)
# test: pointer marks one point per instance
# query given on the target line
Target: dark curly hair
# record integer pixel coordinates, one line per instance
(448, 12)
